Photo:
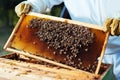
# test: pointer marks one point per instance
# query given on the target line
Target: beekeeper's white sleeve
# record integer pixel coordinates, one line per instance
(42, 5)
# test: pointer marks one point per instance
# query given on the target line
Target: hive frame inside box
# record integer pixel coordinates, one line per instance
(20, 67)
(8, 44)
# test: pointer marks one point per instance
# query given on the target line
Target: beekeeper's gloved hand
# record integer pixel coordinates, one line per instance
(30, 5)
(113, 24)
(22, 8)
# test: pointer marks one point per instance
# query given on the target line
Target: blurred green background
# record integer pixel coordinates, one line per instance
(8, 19)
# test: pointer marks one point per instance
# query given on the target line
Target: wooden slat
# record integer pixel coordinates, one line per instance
(102, 53)
(40, 58)
(8, 43)
(68, 21)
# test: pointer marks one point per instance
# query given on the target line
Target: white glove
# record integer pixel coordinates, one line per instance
(113, 24)
(22, 8)
(38, 6)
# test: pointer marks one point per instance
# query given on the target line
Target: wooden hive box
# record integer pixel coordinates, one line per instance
(20, 67)
(24, 41)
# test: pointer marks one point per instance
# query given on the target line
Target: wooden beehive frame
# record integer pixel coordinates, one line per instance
(8, 44)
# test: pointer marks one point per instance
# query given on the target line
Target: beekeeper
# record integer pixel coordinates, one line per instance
(98, 12)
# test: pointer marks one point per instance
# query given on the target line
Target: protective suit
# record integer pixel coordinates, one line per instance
(90, 11)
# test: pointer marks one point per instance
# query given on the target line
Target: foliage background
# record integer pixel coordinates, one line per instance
(8, 19)
(7, 14)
